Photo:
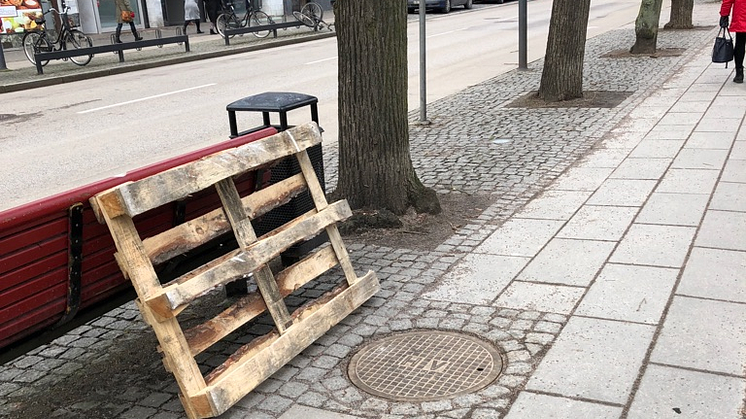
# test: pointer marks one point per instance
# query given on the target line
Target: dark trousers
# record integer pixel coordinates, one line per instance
(134, 31)
(739, 48)
(196, 23)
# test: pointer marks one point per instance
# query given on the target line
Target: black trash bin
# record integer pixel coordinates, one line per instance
(281, 103)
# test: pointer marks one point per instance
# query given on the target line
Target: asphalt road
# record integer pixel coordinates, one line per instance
(72, 134)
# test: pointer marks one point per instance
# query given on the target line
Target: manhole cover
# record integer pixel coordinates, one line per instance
(425, 365)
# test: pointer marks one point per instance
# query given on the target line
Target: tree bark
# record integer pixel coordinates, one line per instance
(562, 77)
(646, 27)
(681, 15)
(375, 167)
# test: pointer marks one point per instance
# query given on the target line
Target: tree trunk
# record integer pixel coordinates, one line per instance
(646, 27)
(681, 14)
(562, 77)
(375, 168)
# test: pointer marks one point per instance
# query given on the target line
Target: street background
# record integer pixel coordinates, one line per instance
(464, 48)
(606, 266)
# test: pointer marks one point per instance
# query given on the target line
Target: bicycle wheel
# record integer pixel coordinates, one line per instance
(29, 42)
(79, 40)
(43, 45)
(314, 11)
(304, 19)
(226, 21)
(259, 18)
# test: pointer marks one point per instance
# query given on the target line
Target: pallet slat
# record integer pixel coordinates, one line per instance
(256, 255)
(248, 371)
(134, 198)
(190, 235)
(245, 235)
(248, 307)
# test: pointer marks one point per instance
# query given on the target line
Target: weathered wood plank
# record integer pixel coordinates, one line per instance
(248, 368)
(202, 268)
(210, 277)
(132, 258)
(302, 228)
(110, 201)
(312, 266)
(273, 196)
(179, 182)
(314, 187)
(344, 258)
(248, 307)
(145, 280)
(258, 254)
(178, 360)
(193, 233)
(185, 237)
(319, 199)
(245, 236)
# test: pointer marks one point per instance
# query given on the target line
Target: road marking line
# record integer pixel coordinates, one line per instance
(446, 33)
(146, 98)
(321, 61)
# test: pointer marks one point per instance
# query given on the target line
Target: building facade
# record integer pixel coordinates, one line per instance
(98, 16)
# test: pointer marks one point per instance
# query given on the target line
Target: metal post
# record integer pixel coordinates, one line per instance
(423, 65)
(3, 66)
(523, 34)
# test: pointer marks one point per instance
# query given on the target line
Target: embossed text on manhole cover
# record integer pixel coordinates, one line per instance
(425, 365)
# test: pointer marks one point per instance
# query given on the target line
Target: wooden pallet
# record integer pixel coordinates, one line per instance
(209, 395)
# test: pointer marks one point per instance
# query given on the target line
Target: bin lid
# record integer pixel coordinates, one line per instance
(272, 102)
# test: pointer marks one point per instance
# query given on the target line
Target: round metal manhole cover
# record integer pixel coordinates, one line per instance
(425, 365)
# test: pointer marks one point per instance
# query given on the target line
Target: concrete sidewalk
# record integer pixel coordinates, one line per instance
(643, 246)
(608, 267)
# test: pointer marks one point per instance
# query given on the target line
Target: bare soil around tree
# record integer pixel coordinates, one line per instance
(416, 231)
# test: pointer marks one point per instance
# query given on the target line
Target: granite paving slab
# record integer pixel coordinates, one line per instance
(629, 293)
(594, 359)
(673, 392)
(705, 335)
(723, 230)
(542, 406)
(568, 262)
(599, 223)
(673, 209)
(716, 274)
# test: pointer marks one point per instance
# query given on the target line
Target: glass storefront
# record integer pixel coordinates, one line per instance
(107, 13)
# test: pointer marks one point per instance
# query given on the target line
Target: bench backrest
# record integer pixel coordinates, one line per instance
(56, 259)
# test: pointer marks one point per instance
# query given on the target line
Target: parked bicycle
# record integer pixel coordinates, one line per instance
(39, 40)
(253, 17)
(312, 15)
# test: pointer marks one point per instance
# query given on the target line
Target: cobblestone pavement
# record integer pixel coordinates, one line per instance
(109, 368)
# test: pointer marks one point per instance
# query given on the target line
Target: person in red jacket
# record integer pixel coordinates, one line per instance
(737, 25)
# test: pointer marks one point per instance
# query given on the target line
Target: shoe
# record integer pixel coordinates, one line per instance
(138, 38)
(212, 32)
(200, 31)
(739, 76)
(119, 41)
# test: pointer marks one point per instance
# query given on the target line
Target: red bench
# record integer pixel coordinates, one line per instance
(56, 260)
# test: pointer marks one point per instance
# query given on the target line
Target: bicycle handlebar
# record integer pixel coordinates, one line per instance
(52, 9)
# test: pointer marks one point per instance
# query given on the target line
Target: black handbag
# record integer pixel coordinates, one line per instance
(722, 52)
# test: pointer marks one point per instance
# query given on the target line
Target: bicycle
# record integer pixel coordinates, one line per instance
(253, 17)
(38, 40)
(312, 15)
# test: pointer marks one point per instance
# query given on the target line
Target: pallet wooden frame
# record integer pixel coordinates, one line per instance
(209, 395)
